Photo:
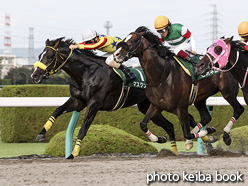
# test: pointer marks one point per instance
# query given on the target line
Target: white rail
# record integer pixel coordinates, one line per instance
(32, 101)
(58, 101)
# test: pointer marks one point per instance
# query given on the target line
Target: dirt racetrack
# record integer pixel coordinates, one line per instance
(126, 170)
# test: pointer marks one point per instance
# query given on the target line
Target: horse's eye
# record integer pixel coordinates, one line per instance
(218, 50)
(49, 57)
(132, 41)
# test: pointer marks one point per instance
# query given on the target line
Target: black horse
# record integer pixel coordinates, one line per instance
(237, 63)
(232, 60)
(94, 85)
(169, 86)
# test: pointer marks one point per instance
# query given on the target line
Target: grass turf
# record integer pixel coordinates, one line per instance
(18, 149)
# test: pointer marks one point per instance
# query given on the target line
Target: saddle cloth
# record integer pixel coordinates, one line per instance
(138, 82)
(188, 68)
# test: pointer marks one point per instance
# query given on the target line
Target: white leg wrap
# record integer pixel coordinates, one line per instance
(188, 141)
(189, 144)
(228, 127)
(152, 137)
(201, 134)
(197, 128)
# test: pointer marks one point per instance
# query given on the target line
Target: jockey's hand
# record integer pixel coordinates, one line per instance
(73, 46)
(194, 52)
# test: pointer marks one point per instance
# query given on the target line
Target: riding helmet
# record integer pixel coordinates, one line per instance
(89, 34)
(161, 22)
(243, 29)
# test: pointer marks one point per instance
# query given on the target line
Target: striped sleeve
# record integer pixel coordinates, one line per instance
(101, 42)
(185, 32)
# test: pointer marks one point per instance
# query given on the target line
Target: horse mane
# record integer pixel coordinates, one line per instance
(154, 40)
(147, 33)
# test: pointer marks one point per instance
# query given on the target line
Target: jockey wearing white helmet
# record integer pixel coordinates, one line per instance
(92, 40)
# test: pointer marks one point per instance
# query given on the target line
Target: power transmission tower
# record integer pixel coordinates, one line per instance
(214, 24)
(108, 25)
(7, 36)
(31, 46)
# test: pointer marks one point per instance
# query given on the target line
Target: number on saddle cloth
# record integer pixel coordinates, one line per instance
(138, 82)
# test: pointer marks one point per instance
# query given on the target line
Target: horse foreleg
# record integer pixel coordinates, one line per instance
(184, 120)
(70, 105)
(155, 115)
(159, 121)
(196, 127)
(238, 110)
(88, 119)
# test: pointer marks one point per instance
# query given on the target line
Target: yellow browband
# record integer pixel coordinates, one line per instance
(44, 67)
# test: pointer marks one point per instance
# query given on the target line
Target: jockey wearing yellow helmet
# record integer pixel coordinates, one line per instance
(92, 40)
(243, 33)
(177, 36)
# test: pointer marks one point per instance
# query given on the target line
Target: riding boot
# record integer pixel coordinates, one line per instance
(190, 60)
(128, 73)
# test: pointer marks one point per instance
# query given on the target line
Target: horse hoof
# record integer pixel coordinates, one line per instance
(212, 139)
(70, 157)
(41, 137)
(227, 139)
(189, 144)
(211, 130)
(161, 139)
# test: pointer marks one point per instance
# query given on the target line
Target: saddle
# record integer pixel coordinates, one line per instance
(189, 69)
(138, 82)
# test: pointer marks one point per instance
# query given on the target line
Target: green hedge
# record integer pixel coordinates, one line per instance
(24, 124)
(101, 139)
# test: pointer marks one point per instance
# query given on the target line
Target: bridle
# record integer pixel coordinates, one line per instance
(225, 51)
(232, 66)
(135, 50)
(55, 60)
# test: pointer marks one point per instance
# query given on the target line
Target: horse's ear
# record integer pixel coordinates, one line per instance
(47, 41)
(142, 33)
(57, 44)
(228, 40)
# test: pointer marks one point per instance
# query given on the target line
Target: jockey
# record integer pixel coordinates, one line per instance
(243, 33)
(179, 38)
(92, 40)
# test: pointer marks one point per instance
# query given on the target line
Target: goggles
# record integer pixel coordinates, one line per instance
(163, 30)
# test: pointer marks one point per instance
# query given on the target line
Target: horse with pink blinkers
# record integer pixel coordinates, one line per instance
(225, 55)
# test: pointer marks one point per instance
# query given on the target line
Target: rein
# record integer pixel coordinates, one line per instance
(219, 69)
(130, 53)
(159, 80)
(135, 52)
(53, 71)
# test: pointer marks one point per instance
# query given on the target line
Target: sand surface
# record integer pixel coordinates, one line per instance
(122, 171)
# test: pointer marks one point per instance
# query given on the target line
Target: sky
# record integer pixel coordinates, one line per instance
(52, 19)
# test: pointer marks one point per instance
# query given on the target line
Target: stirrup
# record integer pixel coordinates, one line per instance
(130, 77)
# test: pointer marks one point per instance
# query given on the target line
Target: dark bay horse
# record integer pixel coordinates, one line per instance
(225, 53)
(93, 85)
(169, 86)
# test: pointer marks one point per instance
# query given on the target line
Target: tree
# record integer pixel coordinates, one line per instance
(23, 76)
